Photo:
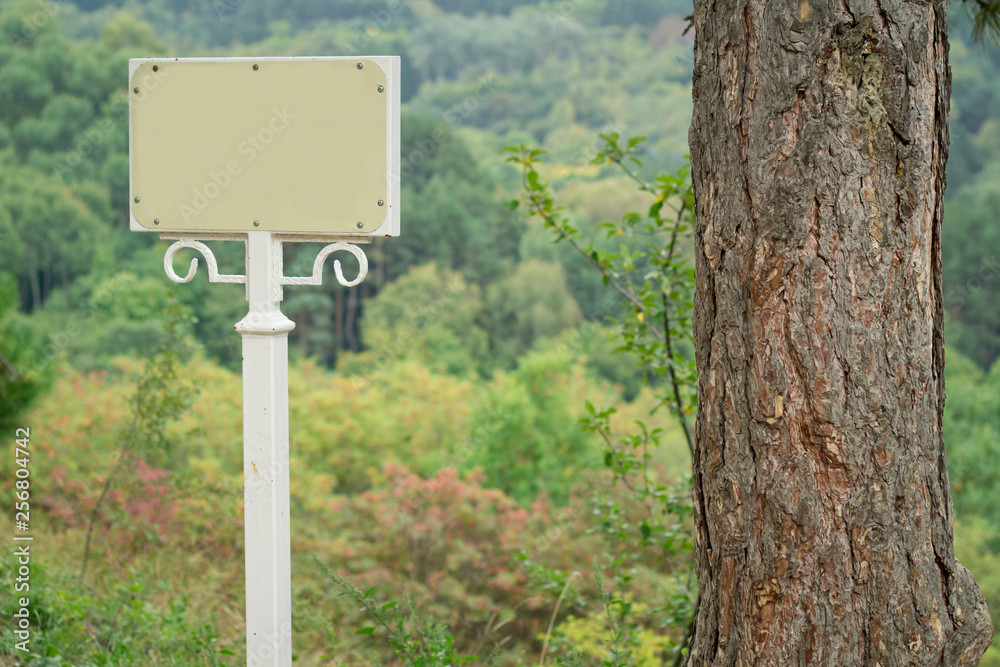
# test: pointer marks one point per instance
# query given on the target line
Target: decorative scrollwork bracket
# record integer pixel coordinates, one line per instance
(276, 260)
(317, 272)
(213, 267)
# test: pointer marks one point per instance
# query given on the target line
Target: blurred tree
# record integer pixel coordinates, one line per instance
(473, 7)
(972, 433)
(24, 90)
(974, 102)
(64, 111)
(428, 314)
(531, 303)
(127, 32)
(457, 224)
(971, 253)
(641, 12)
(976, 545)
(23, 375)
(314, 334)
(53, 234)
(456, 45)
(531, 441)
(598, 344)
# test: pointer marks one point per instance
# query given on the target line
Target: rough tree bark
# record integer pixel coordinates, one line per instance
(822, 508)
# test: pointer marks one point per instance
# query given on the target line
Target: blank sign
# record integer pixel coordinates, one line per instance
(290, 145)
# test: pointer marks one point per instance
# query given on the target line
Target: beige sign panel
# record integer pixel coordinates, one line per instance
(304, 145)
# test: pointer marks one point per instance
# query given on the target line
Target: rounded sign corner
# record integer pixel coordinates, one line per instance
(135, 225)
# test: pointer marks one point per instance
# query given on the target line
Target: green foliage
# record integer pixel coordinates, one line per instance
(160, 397)
(973, 142)
(656, 287)
(976, 547)
(972, 436)
(217, 308)
(62, 120)
(120, 314)
(428, 645)
(428, 314)
(473, 46)
(655, 282)
(590, 636)
(640, 12)
(50, 233)
(613, 80)
(452, 217)
(604, 358)
(531, 441)
(972, 270)
(971, 245)
(434, 315)
(126, 32)
(530, 304)
(430, 416)
(121, 624)
(472, 7)
(630, 462)
(20, 381)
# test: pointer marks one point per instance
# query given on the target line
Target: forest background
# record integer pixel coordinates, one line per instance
(438, 453)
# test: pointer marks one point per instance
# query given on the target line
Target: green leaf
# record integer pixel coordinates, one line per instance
(365, 631)
(645, 529)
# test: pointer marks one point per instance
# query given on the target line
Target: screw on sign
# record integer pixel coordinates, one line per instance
(196, 176)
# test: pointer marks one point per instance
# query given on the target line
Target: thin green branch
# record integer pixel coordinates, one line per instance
(643, 185)
(540, 210)
(678, 404)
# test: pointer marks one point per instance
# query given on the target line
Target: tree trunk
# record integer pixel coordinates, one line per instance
(822, 508)
(36, 290)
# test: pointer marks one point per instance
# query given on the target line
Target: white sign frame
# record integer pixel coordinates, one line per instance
(390, 65)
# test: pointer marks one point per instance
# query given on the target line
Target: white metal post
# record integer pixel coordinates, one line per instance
(267, 528)
(265, 458)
